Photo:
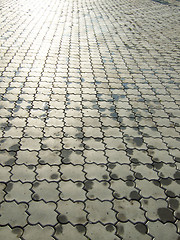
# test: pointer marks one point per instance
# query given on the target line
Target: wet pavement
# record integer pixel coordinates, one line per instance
(90, 120)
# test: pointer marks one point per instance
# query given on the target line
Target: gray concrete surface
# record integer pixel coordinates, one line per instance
(89, 115)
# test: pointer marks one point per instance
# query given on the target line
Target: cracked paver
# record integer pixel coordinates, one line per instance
(89, 120)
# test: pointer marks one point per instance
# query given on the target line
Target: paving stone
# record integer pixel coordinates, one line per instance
(72, 191)
(100, 211)
(49, 173)
(124, 190)
(23, 173)
(150, 189)
(20, 192)
(43, 213)
(46, 191)
(30, 144)
(98, 231)
(11, 234)
(159, 230)
(9, 144)
(13, 213)
(93, 156)
(128, 210)
(129, 231)
(13, 132)
(67, 231)
(144, 171)
(38, 232)
(2, 193)
(71, 212)
(33, 132)
(52, 122)
(94, 171)
(7, 158)
(27, 157)
(49, 157)
(99, 190)
(70, 172)
(118, 171)
(5, 173)
(117, 156)
(72, 143)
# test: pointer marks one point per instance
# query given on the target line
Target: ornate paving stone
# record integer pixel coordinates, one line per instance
(71, 190)
(30, 144)
(114, 143)
(118, 171)
(99, 190)
(93, 156)
(128, 210)
(70, 172)
(13, 213)
(27, 157)
(46, 191)
(98, 231)
(117, 156)
(130, 231)
(33, 132)
(20, 192)
(71, 212)
(55, 132)
(72, 143)
(2, 193)
(11, 234)
(123, 189)
(100, 211)
(144, 171)
(43, 213)
(9, 144)
(159, 230)
(5, 173)
(51, 143)
(23, 173)
(150, 189)
(67, 231)
(94, 171)
(38, 232)
(49, 157)
(49, 173)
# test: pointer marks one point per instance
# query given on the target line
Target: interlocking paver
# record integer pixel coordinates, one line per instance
(89, 119)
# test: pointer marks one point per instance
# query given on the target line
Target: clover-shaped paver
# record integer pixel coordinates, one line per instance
(150, 189)
(100, 211)
(71, 190)
(46, 191)
(46, 172)
(27, 157)
(67, 231)
(124, 189)
(23, 173)
(49, 157)
(51, 143)
(13, 214)
(97, 157)
(5, 173)
(100, 190)
(118, 171)
(132, 231)
(129, 210)
(140, 155)
(118, 156)
(37, 232)
(114, 143)
(72, 212)
(94, 171)
(10, 234)
(144, 171)
(20, 192)
(30, 144)
(71, 172)
(43, 213)
(98, 231)
(163, 231)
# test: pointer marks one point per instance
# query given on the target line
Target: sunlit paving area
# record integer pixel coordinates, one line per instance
(90, 120)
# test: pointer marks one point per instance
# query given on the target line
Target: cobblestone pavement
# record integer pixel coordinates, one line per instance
(90, 120)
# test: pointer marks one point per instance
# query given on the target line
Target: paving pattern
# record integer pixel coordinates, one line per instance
(90, 120)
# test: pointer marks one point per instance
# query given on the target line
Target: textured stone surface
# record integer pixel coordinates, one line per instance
(89, 120)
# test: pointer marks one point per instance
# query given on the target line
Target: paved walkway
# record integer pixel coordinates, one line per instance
(90, 120)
